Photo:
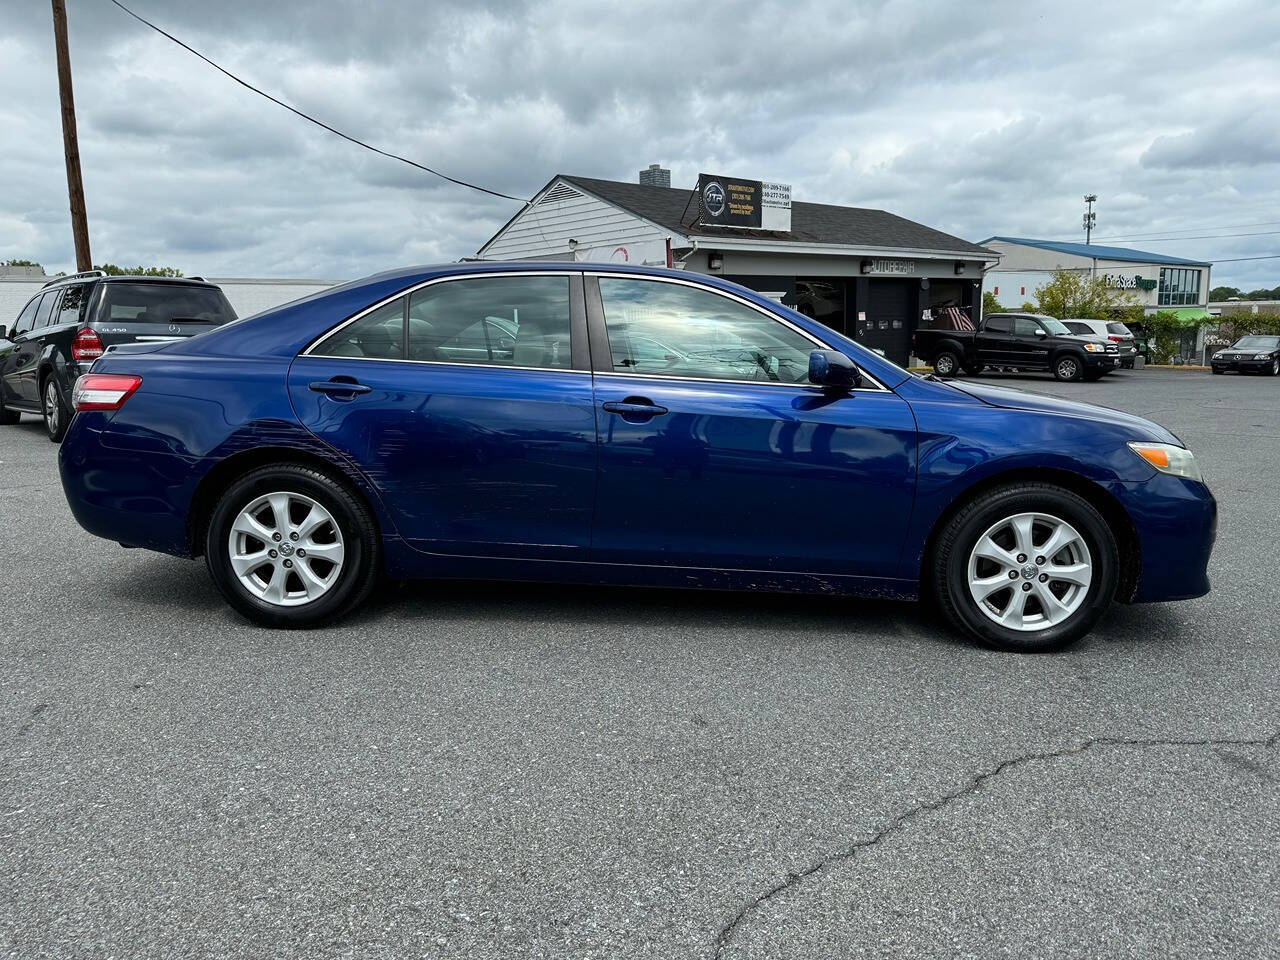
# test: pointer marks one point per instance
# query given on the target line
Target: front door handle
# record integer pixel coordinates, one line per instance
(634, 409)
(338, 388)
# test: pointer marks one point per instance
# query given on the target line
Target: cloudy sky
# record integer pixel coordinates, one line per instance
(975, 118)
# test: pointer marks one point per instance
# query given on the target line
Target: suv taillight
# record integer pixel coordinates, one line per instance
(1114, 339)
(104, 391)
(87, 346)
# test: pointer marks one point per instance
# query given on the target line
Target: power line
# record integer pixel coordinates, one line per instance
(1271, 256)
(1216, 226)
(311, 119)
(1203, 236)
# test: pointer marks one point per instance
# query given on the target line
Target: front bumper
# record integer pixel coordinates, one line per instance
(1177, 522)
(1101, 361)
(1248, 365)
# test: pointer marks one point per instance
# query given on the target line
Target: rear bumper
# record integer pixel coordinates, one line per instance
(1177, 523)
(137, 500)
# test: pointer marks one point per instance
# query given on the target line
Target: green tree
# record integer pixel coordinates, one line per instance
(1223, 293)
(111, 270)
(990, 304)
(1069, 294)
(20, 263)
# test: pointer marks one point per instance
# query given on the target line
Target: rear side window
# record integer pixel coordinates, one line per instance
(504, 321)
(71, 310)
(378, 335)
(163, 303)
(1075, 326)
(47, 303)
(1119, 329)
(999, 325)
(25, 318)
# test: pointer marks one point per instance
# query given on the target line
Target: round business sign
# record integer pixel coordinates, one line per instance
(713, 199)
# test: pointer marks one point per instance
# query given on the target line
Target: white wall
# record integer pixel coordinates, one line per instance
(545, 229)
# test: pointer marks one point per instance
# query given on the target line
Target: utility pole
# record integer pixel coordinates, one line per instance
(1090, 218)
(70, 143)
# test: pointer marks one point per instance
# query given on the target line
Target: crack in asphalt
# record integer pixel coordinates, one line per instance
(902, 820)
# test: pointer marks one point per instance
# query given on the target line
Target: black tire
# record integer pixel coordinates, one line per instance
(1274, 370)
(54, 411)
(949, 566)
(1068, 368)
(360, 537)
(1217, 372)
(946, 363)
(8, 417)
(973, 369)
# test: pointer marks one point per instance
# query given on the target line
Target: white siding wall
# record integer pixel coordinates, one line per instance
(14, 294)
(544, 230)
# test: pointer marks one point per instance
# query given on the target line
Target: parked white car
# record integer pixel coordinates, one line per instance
(1111, 330)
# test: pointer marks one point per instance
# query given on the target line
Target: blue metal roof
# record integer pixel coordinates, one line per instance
(1100, 252)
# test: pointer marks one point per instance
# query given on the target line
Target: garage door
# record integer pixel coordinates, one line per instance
(891, 311)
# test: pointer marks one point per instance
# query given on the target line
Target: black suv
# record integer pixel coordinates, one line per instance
(73, 320)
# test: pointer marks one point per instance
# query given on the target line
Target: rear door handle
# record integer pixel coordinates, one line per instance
(340, 388)
(634, 409)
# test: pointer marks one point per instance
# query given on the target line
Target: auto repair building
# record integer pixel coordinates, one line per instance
(870, 274)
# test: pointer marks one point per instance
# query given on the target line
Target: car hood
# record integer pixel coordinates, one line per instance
(1142, 428)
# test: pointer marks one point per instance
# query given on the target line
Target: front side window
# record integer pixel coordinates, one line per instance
(25, 319)
(503, 321)
(1025, 327)
(671, 330)
(378, 335)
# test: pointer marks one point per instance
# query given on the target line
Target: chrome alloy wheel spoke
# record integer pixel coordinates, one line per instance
(286, 549)
(1029, 571)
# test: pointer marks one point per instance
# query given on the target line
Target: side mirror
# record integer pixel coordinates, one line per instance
(832, 370)
(1040, 332)
(4, 332)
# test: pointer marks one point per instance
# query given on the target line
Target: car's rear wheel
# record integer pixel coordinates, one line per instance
(1028, 568)
(8, 417)
(946, 364)
(56, 415)
(1067, 368)
(288, 546)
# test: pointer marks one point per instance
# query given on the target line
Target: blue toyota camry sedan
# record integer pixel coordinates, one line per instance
(603, 424)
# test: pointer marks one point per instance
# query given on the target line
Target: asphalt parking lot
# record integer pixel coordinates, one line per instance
(491, 770)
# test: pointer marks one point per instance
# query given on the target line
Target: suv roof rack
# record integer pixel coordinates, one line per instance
(73, 276)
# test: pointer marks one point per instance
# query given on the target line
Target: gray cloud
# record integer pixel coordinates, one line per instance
(977, 119)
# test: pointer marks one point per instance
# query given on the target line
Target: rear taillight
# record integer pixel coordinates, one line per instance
(87, 346)
(104, 391)
(1114, 339)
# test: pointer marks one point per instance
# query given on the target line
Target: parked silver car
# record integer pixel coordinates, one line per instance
(1112, 330)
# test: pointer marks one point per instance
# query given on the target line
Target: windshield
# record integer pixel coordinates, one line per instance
(1257, 343)
(1056, 327)
(163, 303)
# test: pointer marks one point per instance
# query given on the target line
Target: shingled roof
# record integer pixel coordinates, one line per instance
(821, 223)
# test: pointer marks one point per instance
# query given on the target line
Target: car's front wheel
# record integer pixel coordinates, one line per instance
(1067, 368)
(288, 546)
(1027, 568)
(1275, 367)
(56, 415)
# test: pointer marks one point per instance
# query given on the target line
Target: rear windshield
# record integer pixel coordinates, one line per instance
(163, 303)
(1119, 329)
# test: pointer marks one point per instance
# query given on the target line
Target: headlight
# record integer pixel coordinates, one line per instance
(1262, 356)
(1169, 458)
(1095, 348)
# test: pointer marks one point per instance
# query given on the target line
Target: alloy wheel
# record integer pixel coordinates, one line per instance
(286, 549)
(1030, 571)
(944, 365)
(51, 408)
(1067, 369)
